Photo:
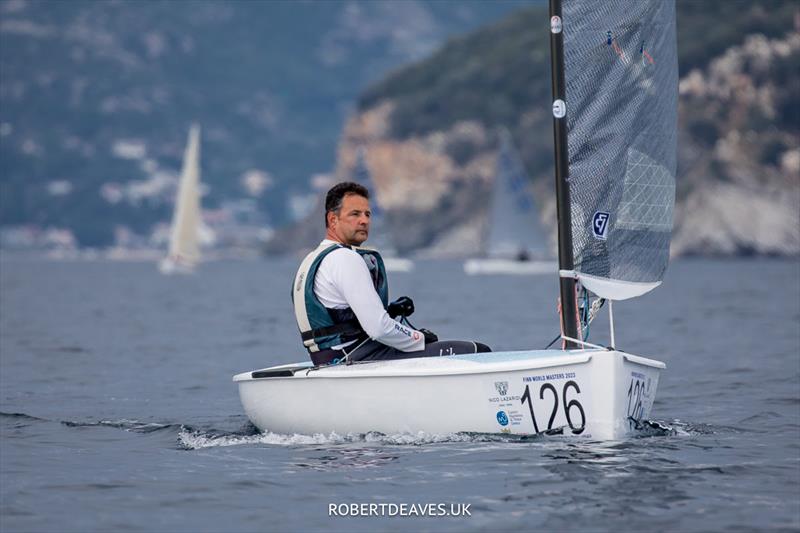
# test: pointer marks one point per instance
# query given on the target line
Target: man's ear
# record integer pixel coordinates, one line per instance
(330, 216)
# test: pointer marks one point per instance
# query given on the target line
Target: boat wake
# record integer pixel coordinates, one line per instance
(193, 437)
(653, 428)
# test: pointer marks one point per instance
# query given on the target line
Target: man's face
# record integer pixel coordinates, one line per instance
(351, 225)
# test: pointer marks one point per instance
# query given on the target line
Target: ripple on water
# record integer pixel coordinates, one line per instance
(124, 424)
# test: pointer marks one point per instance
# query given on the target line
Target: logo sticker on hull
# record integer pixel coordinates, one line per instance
(503, 402)
(502, 419)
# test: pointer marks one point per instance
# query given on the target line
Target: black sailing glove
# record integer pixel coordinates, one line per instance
(403, 306)
(429, 335)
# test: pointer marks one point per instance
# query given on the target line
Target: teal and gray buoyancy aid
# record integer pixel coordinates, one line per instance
(321, 327)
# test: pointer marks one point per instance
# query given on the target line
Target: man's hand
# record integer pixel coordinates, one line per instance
(403, 306)
(429, 335)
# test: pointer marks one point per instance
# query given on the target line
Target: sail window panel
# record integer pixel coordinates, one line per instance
(648, 195)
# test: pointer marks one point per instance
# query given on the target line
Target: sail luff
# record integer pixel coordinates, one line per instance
(570, 326)
(183, 244)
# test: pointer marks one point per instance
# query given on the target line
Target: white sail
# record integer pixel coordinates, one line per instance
(184, 251)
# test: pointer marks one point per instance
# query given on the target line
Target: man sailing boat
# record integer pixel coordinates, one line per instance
(341, 294)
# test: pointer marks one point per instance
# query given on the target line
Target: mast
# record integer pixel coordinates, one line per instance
(568, 296)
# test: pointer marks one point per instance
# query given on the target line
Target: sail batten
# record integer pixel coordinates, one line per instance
(621, 75)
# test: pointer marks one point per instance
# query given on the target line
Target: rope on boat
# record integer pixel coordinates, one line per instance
(586, 313)
(346, 358)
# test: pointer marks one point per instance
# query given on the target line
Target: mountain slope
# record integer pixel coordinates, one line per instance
(96, 94)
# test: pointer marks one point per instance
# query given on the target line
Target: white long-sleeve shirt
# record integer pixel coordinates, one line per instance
(343, 280)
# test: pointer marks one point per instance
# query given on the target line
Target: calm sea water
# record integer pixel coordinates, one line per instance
(118, 411)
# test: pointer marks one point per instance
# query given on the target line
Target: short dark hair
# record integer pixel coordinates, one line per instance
(333, 200)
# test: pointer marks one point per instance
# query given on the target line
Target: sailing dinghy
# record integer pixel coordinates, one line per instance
(184, 251)
(515, 243)
(614, 74)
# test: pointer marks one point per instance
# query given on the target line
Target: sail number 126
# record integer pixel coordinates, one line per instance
(571, 408)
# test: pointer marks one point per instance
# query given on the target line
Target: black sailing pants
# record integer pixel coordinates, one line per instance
(373, 350)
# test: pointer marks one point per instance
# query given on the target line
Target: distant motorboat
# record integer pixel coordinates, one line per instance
(184, 251)
(398, 264)
(515, 242)
(508, 266)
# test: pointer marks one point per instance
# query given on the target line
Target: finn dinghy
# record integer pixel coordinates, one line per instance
(515, 242)
(184, 251)
(614, 74)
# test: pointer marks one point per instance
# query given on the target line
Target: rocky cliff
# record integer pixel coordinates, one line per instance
(740, 152)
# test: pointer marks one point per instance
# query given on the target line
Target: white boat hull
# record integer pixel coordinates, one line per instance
(169, 266)
(509, 266)
(594, 394)
(398, 264)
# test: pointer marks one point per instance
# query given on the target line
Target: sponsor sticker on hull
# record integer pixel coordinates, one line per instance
(500, 400)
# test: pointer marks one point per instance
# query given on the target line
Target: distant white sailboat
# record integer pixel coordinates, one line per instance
(378, 226)
(515, 242)
(184, 251)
